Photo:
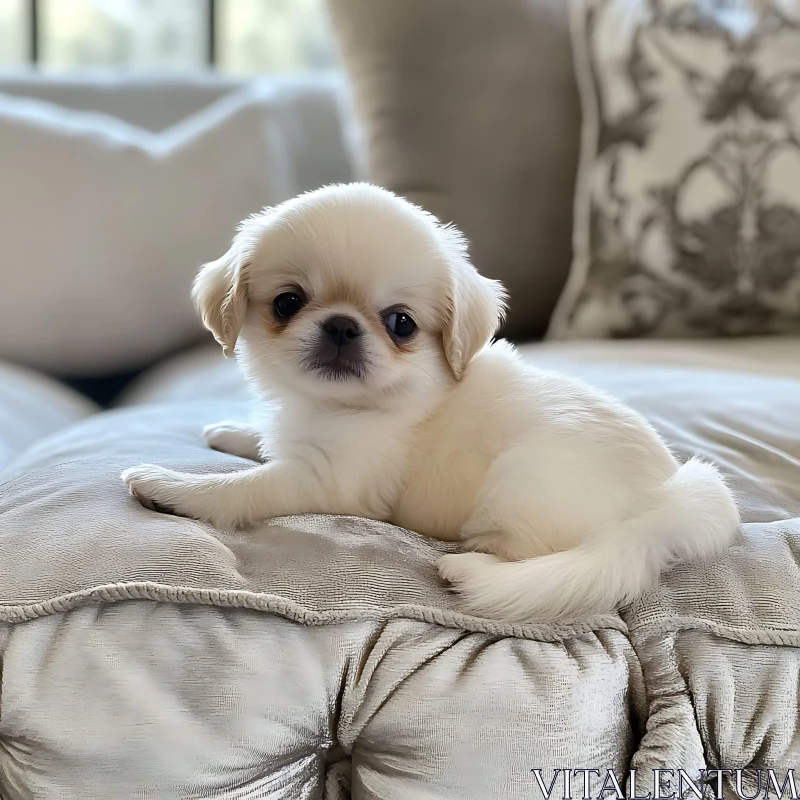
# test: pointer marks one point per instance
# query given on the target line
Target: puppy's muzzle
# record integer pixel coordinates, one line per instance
(338, 353)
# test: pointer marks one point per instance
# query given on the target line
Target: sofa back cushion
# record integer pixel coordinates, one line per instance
(470, 109)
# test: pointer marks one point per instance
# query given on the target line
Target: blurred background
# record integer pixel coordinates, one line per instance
(629, 169)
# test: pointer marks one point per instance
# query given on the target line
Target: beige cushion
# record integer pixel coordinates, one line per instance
(469, 108)
(161, 658)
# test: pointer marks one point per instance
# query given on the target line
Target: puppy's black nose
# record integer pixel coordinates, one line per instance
(342, 330)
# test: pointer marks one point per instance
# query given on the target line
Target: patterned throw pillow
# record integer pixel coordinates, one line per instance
(688, 198)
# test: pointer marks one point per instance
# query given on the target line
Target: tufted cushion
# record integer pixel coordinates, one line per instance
(361, 642)
(147, 655)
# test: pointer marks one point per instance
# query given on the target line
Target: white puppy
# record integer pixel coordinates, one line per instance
(361, 318)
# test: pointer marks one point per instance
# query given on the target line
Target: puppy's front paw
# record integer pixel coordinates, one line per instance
(154, 487)
(220, 435)
(185, 495)
(233, 438)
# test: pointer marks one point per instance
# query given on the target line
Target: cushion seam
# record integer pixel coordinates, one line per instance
(262, 601)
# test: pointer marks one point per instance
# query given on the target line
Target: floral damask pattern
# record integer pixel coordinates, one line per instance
(688, 213)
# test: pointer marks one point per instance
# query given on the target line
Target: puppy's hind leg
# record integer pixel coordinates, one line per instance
(234, 438)
(523, 510)
(526, 510)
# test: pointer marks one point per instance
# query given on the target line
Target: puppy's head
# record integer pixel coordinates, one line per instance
(349, 292)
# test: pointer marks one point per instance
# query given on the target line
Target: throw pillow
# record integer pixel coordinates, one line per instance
(688, 200)
(104, 223)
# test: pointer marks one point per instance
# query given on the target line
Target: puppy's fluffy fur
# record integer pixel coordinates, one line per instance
(566, 501)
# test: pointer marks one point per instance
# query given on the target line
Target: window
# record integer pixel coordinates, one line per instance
(234, 36)
(13, 42)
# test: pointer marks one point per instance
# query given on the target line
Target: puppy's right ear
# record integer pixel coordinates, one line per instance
(475, 305)
(220, 295)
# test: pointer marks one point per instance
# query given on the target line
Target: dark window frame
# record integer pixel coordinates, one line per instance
(34, 32)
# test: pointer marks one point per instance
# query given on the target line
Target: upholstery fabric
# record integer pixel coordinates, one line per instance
(470, 109)
(147, 655)
(688, 207)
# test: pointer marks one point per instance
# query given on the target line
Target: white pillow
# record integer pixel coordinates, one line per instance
(103, 225)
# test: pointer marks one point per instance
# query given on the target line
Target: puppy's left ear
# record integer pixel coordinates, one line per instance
(220, 295)
(475, 308)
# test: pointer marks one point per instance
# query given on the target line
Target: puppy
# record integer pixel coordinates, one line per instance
(360, 318)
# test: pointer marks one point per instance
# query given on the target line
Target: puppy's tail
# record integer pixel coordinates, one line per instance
(695, 518)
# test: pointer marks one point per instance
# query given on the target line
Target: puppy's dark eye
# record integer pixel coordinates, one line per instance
(399, 324)
(288, 304)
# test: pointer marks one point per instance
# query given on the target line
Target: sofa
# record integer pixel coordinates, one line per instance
(150, 656)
